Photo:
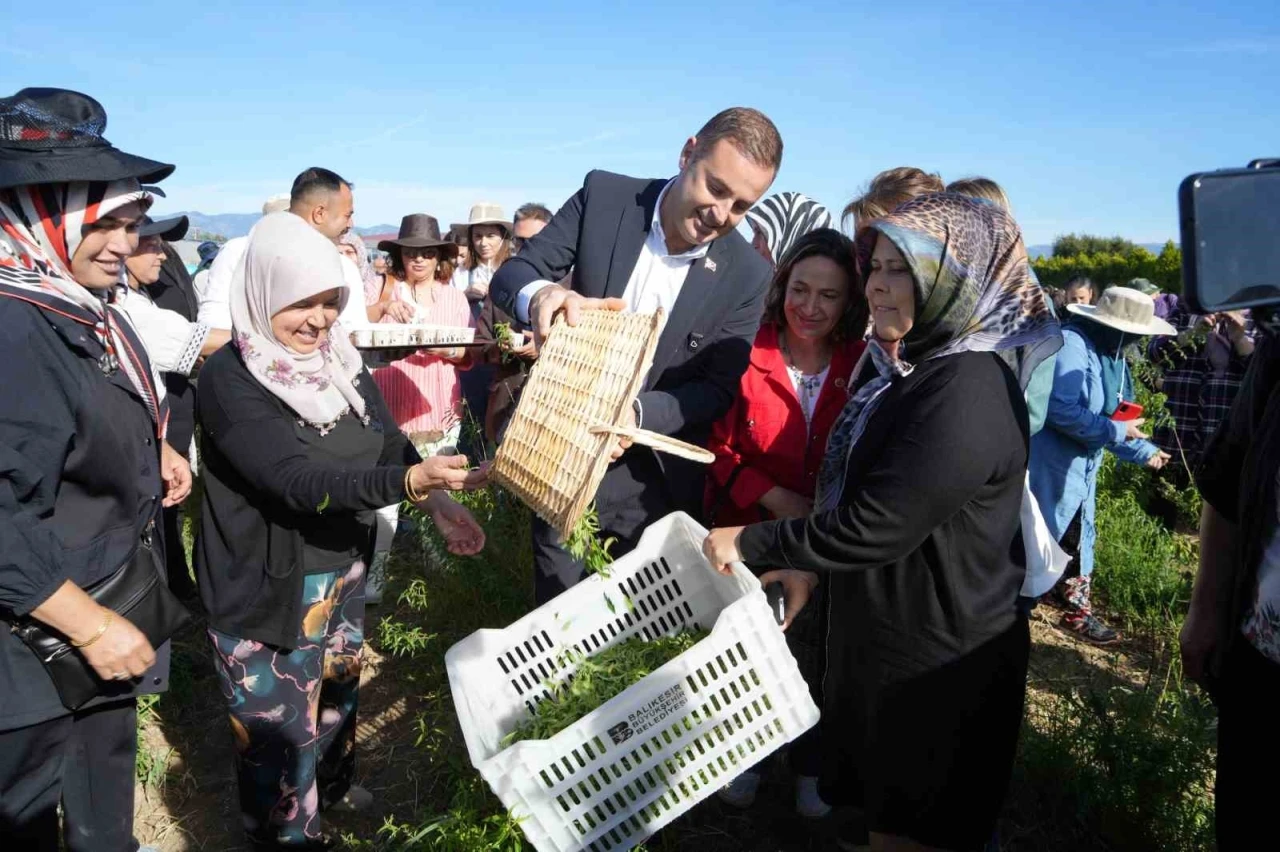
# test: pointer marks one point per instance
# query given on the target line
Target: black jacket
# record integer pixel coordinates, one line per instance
(704, 348)
(1238, 478)
(79, 481)
(281, 501)
(921, 555)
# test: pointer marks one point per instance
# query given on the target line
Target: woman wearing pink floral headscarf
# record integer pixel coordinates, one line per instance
(300, 449)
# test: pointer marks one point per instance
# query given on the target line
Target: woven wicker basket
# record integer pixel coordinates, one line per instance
(575, 404)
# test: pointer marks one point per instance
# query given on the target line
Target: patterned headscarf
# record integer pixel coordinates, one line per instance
(785, 217)
(287, 261)
(41, 226)
(974, 292)
(372, 286)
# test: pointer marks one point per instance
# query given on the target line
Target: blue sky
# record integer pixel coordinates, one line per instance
(1088, 114)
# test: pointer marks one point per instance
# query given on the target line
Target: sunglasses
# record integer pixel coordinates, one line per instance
(415, 253)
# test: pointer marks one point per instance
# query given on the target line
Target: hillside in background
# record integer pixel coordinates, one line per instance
(238, 224)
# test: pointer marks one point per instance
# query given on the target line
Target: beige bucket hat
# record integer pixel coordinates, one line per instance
(488, 213)
(1127, 310)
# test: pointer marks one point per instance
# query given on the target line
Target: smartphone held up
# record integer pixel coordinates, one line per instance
(1230, 234)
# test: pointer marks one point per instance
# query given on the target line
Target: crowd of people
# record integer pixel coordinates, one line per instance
(887, 412)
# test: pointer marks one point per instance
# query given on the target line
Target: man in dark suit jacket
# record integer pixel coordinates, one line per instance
(636, 244)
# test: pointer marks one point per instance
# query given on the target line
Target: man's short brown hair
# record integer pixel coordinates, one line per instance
(532, 210)
(888, 190)
(750, 131)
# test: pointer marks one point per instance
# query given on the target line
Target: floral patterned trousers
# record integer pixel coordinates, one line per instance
(293, 713)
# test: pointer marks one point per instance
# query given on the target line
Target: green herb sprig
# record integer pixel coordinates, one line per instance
(583, 543)
(599, 679)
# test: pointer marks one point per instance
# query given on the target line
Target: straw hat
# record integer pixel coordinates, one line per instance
(1127, 310)
(488, 213)
(276, 204)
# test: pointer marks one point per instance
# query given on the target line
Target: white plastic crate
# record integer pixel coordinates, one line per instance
(643, 758)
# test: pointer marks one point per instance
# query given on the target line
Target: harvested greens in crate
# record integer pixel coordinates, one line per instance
(643, 757)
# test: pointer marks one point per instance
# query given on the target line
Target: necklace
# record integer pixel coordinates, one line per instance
(431, 293)
(807, 385)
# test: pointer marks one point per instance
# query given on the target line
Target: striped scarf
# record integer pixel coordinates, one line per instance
(785, 217)
(41, 226)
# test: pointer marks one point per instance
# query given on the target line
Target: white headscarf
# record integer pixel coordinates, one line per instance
(287, 261)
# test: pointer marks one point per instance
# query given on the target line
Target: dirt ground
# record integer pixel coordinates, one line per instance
(193, 807)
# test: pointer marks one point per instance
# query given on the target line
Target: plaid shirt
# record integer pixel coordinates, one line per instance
(1198, 402)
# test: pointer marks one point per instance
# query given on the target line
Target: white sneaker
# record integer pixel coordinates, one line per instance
(808, 803)
(741, 791)
(357, 799)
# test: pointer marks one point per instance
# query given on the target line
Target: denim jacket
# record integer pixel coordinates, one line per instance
(1066, 454)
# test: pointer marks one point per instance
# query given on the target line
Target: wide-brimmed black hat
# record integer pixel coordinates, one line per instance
(172, 229)
(419, 230)
(55, 136)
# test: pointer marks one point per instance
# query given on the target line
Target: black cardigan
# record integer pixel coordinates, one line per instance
(923, 552)
(282, 501)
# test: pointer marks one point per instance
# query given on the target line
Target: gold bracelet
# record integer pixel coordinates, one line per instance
(409, 490)
(106, 622)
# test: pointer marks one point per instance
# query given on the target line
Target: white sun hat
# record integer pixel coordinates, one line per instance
(1127, 310)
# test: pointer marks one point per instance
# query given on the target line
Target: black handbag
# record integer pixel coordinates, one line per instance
(138, 592)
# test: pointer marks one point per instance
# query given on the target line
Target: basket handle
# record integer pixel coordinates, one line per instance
(658, 442)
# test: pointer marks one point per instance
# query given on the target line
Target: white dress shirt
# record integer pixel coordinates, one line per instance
(227, 271)
(354, 314)
(215, 301)
(656, 279)
(199, 282)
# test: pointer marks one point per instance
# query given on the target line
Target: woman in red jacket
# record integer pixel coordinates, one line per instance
(770, 444)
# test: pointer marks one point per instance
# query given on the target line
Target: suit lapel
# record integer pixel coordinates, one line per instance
(704, 279)
(633, 230)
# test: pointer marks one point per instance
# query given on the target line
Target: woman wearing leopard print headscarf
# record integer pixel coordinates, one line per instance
(915, 518)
